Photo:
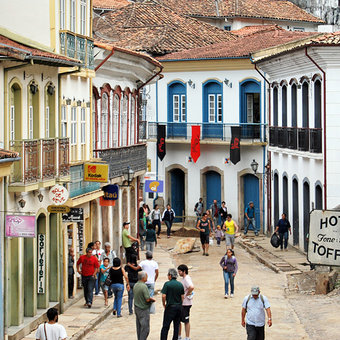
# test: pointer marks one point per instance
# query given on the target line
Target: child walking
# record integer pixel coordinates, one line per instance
(218, 235)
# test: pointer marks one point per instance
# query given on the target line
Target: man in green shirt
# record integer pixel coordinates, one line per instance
(142, 301)
(172, 298)
(127, 241)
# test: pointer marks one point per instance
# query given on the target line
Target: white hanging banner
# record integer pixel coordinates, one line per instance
(41, 263)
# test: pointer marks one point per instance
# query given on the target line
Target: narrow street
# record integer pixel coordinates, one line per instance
(212, 316)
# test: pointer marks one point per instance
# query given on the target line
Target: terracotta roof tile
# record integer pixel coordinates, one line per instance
(20, 51)
(244, 31)
(4, 154)
(265, 9)
(110, 4)
(243, 46)
(152, 28)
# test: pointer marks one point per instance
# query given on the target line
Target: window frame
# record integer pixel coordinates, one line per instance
(73, 11)
(83, 9)
(63, 121)
(30, 122)
(12, 123)
(74, 125)
(83, 125)
(62, 13)
(47, 122)
(104, 120)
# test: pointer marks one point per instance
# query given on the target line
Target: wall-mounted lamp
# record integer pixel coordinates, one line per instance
(21, 203)
(33, 87)
(228, 82)
(128, 175)
(88, 104)
(39, 195)
(68, 101)
(78, 102)
(254, 166)
(191, 84)
(50, 89)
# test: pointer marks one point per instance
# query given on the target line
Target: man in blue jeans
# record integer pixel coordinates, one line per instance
(282, 228)
(250, 218)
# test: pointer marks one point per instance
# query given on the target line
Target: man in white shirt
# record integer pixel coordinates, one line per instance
(187, 301)
(51, 330)
(149, 266)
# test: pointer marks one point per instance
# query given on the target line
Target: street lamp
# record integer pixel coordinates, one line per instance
(254, 166)
(128, 176)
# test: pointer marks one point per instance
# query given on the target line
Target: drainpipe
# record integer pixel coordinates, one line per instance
(268, 167)
(324, 128)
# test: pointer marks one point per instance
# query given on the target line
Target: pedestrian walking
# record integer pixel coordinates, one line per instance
(215, 212)
(108, 253)
(156, 219)
(223, 213)
(229, 265)
(150, 266)
(183, 272)
(250, 218)
(150, 238)
(132, 273)
(219, 235)
(127, 241)
(142, 225)
(211, 221)
(199, 208)
(142, 306)
(203, 225)
(70, 272)
(51, 330)
(104, 273)
(253, 315)
(167, 218)
(172, 299)
(231, 228)
(98, 253)
(282, 228)
(89, 269)
(117, 275)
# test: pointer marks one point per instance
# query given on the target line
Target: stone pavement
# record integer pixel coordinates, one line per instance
(212, 316)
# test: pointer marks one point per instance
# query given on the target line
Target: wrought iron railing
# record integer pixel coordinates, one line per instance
(77, 46)
(119, 159)
(41, 159)
(303, 139)
(210, 131)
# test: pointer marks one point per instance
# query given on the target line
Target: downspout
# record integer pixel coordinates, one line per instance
(324, 128)
(268, 167)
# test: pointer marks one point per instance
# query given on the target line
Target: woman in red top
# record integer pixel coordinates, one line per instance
(89, 269)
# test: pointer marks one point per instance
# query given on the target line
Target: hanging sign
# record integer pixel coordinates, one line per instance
(324, 238)
(58, 194)
(74, 215)
(41, 263)
(110, 196)
(154, 186)
(81, 237)
(195, 142)
(235, 153)
(94, 172)
(55, 209)
(20, 226)
(161, 133)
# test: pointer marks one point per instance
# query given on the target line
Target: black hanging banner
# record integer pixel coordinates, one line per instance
(235, 152)
(161, 151)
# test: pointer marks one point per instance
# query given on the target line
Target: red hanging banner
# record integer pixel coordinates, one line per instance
(195, 142)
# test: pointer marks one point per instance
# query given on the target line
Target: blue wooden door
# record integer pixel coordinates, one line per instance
(251, 193)
(213, 188)
(177, 193)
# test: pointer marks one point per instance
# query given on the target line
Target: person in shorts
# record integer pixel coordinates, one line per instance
(203, 225)
(187, 301)
(104, 271)
(231, 228)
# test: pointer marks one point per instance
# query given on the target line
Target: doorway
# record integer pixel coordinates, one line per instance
(252, 194)
(306, 210)
(296, 222)
(276, 198)
(213, 188)
(177, 197)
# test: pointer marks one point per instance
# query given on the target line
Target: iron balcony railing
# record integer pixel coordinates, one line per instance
(302, 139)
(41, 159)
(77, 46)
(210, 131)
(119, 159)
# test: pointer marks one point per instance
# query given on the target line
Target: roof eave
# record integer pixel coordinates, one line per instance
(204, 59)
(54, 61)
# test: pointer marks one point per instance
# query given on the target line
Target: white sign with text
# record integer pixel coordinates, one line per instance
(324, 238)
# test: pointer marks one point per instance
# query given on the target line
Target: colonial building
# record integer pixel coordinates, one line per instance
(303, 78)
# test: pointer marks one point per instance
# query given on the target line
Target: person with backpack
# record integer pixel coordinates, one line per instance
(229, 265)
(168, 217)
(253, 314)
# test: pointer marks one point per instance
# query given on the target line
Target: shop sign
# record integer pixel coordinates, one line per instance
(81, 237)
(58, 194)
(324, 238)
(74, 215)
(154, 186)
(20, 226)
(94, 172)
(41, 263)
(111, 192)
(55, 209)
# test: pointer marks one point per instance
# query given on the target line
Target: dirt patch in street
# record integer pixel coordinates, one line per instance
(184, 232)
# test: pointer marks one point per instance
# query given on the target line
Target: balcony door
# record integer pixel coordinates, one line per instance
(250, 113)
(212, 110)
(177, 110)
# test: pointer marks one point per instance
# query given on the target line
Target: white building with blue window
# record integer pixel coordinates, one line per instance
(304, 129)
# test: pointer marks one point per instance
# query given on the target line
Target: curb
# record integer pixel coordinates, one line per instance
(259, 258)
(93, 323)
